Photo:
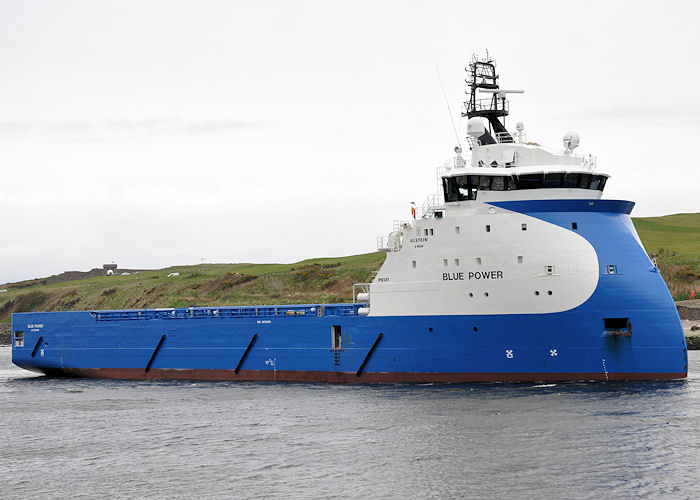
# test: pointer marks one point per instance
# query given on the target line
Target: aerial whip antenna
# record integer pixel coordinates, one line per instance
(447, 103)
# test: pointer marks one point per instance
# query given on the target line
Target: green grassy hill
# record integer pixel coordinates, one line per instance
(318, 280)
(674, 240)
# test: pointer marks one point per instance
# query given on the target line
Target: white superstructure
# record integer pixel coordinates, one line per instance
(464, 255)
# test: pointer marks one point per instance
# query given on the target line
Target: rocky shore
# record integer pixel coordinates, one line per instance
(5, 334)
(689, 311)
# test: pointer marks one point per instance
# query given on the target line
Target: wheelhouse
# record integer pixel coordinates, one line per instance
(467, 186)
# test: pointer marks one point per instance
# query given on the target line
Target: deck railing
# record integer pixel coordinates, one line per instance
(305, 310)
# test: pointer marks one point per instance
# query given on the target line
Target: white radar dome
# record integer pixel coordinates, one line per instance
(520, 126)
(110, 272)
(571, 141)
(475, 127)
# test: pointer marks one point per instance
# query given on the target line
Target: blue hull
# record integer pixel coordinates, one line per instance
(294, 343)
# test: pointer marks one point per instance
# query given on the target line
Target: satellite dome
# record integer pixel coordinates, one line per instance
(520, 126)
(475, 127)
(110, 272)
(571, 141)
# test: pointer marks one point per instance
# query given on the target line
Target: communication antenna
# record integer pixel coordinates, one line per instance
(447, 103)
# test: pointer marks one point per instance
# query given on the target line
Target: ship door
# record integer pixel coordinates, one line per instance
(336, 343)
(337, 339)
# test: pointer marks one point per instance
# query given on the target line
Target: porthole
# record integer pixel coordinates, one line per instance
(471, 294)
(486, 294)
(430, 329)
(549, 292)
(476, 329)
(537, 292)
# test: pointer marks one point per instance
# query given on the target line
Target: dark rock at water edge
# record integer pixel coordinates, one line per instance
(5, 334)
(688, 312)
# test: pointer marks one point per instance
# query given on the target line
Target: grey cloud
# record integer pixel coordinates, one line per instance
(115, 130)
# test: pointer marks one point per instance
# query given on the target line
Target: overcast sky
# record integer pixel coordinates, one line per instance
(155, 133)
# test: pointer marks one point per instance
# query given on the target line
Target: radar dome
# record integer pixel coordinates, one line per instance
(475, 127)
(571, 141)
(520, 126)
(110, 272)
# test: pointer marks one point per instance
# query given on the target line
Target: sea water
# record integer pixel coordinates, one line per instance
(83, 438)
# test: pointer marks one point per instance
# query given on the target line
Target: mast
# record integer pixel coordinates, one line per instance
(482, 76)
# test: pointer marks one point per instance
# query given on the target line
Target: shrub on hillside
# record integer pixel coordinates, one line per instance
(30, 301)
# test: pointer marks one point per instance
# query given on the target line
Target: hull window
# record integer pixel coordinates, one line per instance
(19, 339)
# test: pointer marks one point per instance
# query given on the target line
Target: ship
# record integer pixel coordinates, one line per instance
(516, 270)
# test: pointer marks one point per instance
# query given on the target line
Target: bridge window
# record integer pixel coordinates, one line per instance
(570, 181)
(584, 180)
(530, 181)
(497, 183)
(466, 187)
(554, 180)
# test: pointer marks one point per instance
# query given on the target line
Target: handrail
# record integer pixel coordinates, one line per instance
(184, 313)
